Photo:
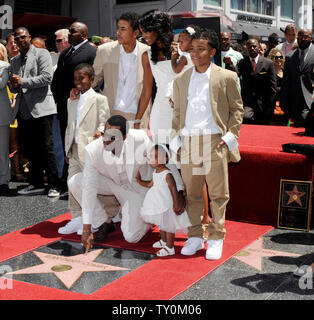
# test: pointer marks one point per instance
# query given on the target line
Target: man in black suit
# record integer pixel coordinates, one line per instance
(258, 85)
(297, 84)
(63, 80)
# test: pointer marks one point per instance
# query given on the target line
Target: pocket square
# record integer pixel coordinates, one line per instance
(263, 72)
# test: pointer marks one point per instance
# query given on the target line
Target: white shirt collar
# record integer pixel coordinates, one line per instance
(206, 73)
(122, 51)
(85, 94)
(256, 58)
(306, 50)
(80, 44)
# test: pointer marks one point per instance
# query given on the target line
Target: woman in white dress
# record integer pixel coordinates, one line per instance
(157, 32)
(161, 204)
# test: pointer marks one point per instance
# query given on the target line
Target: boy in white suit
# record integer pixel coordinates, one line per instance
(86, 118)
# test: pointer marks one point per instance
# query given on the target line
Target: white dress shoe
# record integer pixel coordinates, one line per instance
(192, 245)
(214, 249)
(75, 225)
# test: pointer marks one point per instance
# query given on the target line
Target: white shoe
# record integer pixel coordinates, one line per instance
(214, 249)
(159, 244)
(75, 225)
(192, 246)
(165, 251)
(53, 193)
(31, 190)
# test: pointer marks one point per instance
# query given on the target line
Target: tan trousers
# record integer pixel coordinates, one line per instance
(110, 202)
(201, 161)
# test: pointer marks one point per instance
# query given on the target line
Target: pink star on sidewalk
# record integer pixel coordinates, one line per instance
(253, 254)
(68, 269)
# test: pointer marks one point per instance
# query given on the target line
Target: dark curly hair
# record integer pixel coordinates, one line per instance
(159, 22)
(132, 18)
(209, 35)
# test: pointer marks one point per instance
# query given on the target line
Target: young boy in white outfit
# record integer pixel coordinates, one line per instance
(86, 118)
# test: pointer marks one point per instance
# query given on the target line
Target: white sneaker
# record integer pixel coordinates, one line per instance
(53, 193)
(75, 225)
(192, 245)
(214, 249)
(31, 190)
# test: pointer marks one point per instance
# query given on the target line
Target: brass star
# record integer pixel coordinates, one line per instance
(295, 196)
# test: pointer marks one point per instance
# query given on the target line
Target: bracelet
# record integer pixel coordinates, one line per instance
(137, 121)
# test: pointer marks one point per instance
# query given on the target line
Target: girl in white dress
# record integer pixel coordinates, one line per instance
(160, 206)
(181, 59)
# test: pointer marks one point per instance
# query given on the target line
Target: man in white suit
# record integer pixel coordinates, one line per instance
(111, 165)
(86, 118)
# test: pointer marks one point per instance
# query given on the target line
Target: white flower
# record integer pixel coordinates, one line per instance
(190, 30)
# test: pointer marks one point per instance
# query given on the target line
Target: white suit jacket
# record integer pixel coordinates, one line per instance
(135, 152)
(94, 116)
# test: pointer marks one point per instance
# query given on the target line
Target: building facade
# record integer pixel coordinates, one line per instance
(255, 17)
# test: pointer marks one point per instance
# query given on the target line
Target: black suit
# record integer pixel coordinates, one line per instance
(258, 90)
(63, 79)
(297, 90)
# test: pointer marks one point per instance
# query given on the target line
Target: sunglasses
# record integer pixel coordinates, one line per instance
(59, 40)
(17, 38)
(278, 57)
(108, 137)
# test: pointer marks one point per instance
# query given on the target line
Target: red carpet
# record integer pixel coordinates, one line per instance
(158, 279)
(255, 180)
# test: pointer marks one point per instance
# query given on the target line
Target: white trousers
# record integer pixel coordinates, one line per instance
(132, 225)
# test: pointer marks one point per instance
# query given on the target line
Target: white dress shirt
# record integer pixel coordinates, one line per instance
(199, 119)
(79, 45)
(80, 107)
(126, 92)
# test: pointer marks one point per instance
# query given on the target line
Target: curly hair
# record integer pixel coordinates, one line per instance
(159, 22)
(209, 35)
(273, 53)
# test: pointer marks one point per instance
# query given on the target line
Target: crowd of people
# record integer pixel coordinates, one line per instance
(134, 111)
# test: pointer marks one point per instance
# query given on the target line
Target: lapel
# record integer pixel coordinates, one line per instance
(31, 54)
(88, 104)
(185, 92)
(128, 167)
(81, 48)
(110, 165)
(309, 57)
(214, 89)
(115, 67)
(259, 64)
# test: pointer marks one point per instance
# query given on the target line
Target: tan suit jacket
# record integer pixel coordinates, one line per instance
(106, 65)
(226, 102)
(94, 115)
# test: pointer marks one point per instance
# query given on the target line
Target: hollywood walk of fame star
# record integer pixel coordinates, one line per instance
(295, 196)
(253, 254)
(68, 269)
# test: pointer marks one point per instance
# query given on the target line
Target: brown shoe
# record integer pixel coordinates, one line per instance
(103, 231)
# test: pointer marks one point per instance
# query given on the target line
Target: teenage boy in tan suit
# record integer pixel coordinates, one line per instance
(208, 112)
(119, 65)
(87, 116)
